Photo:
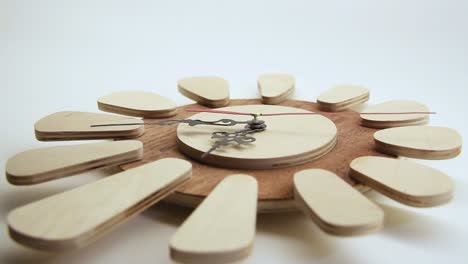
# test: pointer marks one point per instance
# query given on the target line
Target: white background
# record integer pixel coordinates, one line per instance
(63, 55)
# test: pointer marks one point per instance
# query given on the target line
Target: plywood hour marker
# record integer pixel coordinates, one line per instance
(74, 218)
(275, 88)
(342, 97)
(422, 142)
(45, 164)
(334, 205)
(211, 91)
(222, 228)
(73, 125)
(138, 103)
(395, 120)
(405, 181)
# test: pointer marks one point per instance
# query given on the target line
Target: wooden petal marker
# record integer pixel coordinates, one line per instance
(210, 91)
(275, 88)
(74, 218)
(45, 164)
(395, 120)
(138, 103)
(404, 181)
(222, 228)
(342, 97)
(335, 206)
(421, 142)
(72, 125)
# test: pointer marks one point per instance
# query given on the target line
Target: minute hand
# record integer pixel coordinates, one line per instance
(190, 122)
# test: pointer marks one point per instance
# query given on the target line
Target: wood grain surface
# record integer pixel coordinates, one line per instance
(137, 103)
(419, 142)
(341, 97)
(405, 181)
(395, 106)
(44, 164)
(222, 228)
(275, 186)
(334, 206)
(211, 91)
(287, 141)
(275, 87)
(75, 125)
(74, 218)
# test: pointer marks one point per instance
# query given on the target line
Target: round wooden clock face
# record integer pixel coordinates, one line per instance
(287, 141)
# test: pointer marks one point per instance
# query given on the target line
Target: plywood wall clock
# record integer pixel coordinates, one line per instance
(230, 159)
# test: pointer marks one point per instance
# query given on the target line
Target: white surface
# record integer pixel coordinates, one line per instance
(63, 55)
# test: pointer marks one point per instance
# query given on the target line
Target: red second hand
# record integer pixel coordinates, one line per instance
(304, 113)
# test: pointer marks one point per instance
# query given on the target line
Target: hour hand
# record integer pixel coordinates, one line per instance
(190, 122)
(220, 122)
(225, 138)
(240, 137)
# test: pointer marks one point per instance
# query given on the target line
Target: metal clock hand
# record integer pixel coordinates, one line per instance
(190, 122)
(225, 138)
(240, 137)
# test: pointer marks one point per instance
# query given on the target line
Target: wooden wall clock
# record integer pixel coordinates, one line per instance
(230, 159)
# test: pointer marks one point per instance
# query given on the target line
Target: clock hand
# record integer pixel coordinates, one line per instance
(190, 122)
(240, 137)
(225, 138)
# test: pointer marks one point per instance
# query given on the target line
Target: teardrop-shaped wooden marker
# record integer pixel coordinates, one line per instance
(222, 228)
(395, 120)
(342, 97)
(275, 88)
(335, 206)
(138, 103)
(74, 218)
(211, 91)
(404, 181)
(45, 164)
(421, 142)
(73, 125)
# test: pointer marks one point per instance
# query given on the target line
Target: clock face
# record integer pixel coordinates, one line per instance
(275, 185)
(287, 141)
